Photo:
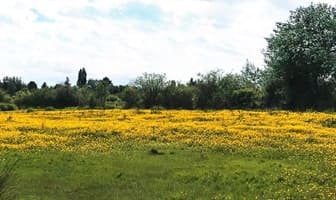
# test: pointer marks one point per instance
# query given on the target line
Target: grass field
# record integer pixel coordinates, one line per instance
(153, 154)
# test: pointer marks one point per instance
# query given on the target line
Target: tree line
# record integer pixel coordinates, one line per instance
(300, 74)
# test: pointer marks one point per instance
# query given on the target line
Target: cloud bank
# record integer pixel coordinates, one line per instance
(49, 40)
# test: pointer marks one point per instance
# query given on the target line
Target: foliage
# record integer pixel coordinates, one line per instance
(131, 96)
(245, 98)
(151, 87)
(177, 95)
(81, 81)
(302, 54)
(44, 85)
(102, 91)
(114, 102)
(218, 91)
(32, 86)
(252, 75)
(207, 85)
(64, 96)
(4, 97)
(7, 107)
(11, 85)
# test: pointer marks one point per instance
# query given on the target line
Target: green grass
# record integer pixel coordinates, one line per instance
(173, 172)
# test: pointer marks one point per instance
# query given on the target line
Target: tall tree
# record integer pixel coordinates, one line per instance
(251, 74)
(301, 54)
(102, 90)
(44, 85)
(81, 81)
(207, 86)
(12, 84)
(32, 85)
(131, 96)
(151, 86)
(67, 82)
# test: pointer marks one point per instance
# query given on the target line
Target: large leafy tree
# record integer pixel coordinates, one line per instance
(301, 55)
(151, 87)
(102, 91)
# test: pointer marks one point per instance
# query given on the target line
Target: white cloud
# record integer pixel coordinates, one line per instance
(192, 36)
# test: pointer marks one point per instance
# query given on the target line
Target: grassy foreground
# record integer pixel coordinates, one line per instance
(142, 154)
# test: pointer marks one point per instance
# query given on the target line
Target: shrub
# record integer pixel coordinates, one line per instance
(29, 110)
(156, 109)
(49, 108)
(4, 97)
(7, 107)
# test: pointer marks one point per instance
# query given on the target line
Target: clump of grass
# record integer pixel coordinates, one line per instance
(155, 152)
(6, 174)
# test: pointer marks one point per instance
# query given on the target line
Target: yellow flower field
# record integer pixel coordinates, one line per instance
(288, 154)
(93, 129)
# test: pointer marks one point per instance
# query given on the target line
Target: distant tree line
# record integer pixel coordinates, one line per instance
(300, 74)
(214, 90)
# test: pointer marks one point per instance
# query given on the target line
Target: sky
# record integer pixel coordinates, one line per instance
(49, 40)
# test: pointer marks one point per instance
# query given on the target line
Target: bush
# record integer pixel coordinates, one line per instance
(245, 98)
(4, 97)
(7, 107)
(49, 108)
(113, 102)
(156, 109)
(29, 110)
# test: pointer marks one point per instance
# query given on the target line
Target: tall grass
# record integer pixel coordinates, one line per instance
(7, 174)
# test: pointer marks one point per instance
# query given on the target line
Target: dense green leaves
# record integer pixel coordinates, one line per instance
(151, 86)
(301, 53)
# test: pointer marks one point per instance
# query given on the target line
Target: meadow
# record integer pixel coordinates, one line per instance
(159, 154)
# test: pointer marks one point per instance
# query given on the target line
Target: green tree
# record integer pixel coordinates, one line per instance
(93, 83)
(251, 74)
(223, 96)
(67, 82)
(245, 98)
(65, 96)
(32, 85)
(301, 54)
(131, 96)
(4, 97)
(83, 95)
(151, 87)
(207, 86)
(177, 95)
(81, 81)
(44, 85)
(102, 91)
(12, 84)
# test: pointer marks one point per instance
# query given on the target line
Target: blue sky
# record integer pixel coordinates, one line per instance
(49, 40)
